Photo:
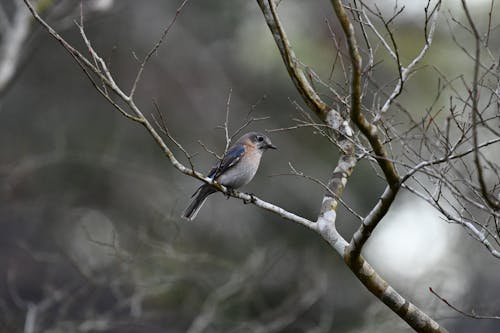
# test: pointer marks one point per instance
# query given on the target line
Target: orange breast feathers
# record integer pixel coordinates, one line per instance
(252, 155)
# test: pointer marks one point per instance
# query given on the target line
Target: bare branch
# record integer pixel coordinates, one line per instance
(441, 155)
(106, 76)
(411, 314)
(164, 128)
(492, 202)
(297, 75)
(370, 132)
(472, 314)
(405, 71)
(295, 172)
(155, 48)
(368, 129)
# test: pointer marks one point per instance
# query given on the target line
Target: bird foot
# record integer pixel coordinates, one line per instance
(252, 199)
(229, 193)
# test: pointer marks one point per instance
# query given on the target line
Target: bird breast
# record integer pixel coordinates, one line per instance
(243, 172)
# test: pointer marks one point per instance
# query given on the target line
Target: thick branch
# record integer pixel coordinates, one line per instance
(368, 129)
(415, 317)
(370, 132)
(299, 78)
(326, 220)
(336, 184)
(370, 222)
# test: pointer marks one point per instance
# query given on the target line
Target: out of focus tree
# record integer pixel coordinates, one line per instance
(19, 36)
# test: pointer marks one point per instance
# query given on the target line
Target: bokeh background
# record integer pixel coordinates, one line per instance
(91, 238)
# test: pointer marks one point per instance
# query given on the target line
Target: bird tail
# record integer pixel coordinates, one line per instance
(198, 199)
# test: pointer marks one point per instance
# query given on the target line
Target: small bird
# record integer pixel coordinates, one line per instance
(236, 169)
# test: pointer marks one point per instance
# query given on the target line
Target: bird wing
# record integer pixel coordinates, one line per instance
(232, 157)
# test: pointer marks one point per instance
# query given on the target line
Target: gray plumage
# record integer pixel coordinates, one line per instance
(237, 168)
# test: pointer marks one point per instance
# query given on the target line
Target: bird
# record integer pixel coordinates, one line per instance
(236, 169)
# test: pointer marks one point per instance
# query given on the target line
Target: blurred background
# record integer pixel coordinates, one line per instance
(91, 238)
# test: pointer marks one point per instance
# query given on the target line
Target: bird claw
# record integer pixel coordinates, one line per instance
(229, 193)
(252, 199)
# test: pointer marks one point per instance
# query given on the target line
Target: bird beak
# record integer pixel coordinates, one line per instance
(270, 145)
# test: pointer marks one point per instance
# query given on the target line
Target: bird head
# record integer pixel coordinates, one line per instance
(259, 140)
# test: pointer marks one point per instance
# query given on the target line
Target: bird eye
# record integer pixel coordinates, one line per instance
(260, 138)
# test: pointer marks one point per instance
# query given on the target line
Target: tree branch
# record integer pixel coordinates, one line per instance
(368, 129)
(299, 78)
(463, 313)
(415, 317)
(137, 116)
(370, 132)
(490, 200)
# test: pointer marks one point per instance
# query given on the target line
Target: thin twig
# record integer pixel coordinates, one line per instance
(472, 314)
(492, 202)
(155, 48)
(164, 128)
